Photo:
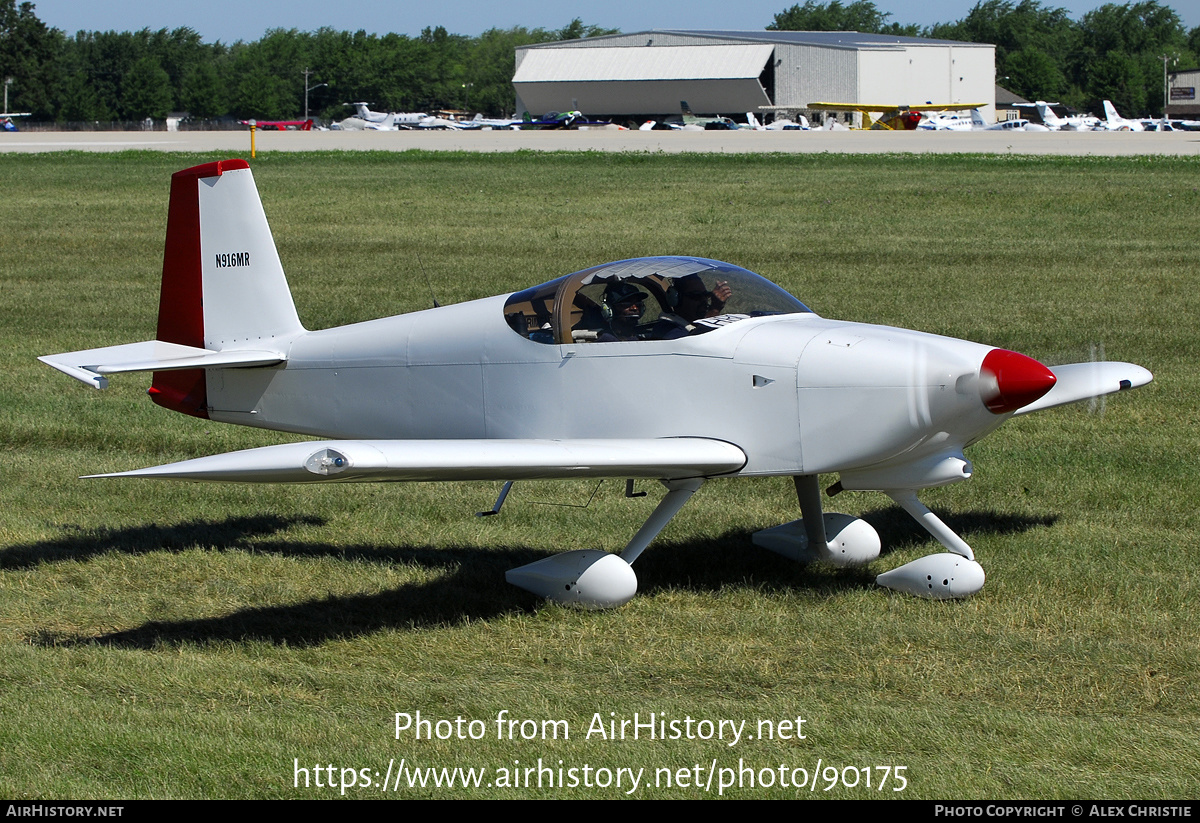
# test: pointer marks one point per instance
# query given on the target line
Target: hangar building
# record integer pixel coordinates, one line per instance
(1182, 100)
(648, 73)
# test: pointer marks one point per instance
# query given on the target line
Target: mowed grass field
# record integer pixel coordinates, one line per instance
(186, 640)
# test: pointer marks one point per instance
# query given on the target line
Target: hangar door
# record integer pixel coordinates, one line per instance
(645, 80)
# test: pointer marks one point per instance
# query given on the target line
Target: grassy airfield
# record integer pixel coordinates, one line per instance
(179, 640)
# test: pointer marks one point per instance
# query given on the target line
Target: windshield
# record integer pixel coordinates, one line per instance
(647, 298)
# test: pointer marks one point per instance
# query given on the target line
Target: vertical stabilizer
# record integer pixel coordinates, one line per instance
(223, 287)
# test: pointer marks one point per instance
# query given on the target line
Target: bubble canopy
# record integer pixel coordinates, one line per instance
(646, 298)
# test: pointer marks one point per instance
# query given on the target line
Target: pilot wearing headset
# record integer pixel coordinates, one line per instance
(622, 306)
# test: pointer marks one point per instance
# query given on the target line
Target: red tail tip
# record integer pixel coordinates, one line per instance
(1011, 381)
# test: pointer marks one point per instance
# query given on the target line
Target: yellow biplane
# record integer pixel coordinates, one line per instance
(894, 118)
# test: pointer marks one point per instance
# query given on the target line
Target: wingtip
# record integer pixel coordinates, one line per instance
(1138, 376)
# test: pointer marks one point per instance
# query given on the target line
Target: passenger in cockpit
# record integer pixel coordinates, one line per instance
(696, 302)
(693, 302)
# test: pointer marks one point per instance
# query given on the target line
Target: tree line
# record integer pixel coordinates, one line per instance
(1113, 52)
(112, 75)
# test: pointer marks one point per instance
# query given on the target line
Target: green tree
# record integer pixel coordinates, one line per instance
(268, 75)
(860, 15)
(1031, 71)
(28, 52)
(78, 101)
(1121, 55)
(202, 94)
(146, 91)
(578, 30)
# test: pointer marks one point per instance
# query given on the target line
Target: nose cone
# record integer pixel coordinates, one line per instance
(1009, 380)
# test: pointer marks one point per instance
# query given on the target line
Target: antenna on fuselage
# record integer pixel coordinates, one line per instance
(429, 282)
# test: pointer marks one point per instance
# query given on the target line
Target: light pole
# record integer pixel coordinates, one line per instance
(1163, 58)
(307, 89)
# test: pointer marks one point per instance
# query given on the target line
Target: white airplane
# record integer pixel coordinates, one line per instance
(1115, 122)
(392, 118)
(430, 121)
(363, 112)
(1076, 122)
(780, 123)
(678, 369)
(974, 122)
(481, 122)
(367, 119)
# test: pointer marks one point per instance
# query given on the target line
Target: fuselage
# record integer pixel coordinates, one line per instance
(799, 394)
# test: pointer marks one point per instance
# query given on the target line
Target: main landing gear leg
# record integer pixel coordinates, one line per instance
(835, 538)
(595, 579)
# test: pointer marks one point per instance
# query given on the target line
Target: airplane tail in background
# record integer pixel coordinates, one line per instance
(1048, 116)
(224, 303)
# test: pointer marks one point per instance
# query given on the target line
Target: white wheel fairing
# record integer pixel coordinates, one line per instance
(585, 578)
(938, 576)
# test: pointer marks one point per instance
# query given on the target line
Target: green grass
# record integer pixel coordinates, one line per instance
(178, 640)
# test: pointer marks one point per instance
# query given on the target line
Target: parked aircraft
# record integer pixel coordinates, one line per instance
(1115, 122)
(481, 122)
(706, 122)
(430, 121)
(780, 123)
(974, 122)
(385, 118)
(1076, 122)
(560, 120)
(368, 120)
(679, 369)
(6, 119)
(365, 119)
(281, 125)
(895, 118)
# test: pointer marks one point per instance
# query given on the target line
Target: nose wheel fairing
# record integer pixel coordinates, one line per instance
(844, 540)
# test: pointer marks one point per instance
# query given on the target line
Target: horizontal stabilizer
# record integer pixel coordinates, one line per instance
(90, 365)
(367, 461)
(1083, 381)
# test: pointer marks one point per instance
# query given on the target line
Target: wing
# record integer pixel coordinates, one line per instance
(365, 461)
(1083, 381)
(890, 109)
(946, 106)
(864, 107)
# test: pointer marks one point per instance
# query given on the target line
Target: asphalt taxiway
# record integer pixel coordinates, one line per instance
(1100, 144)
